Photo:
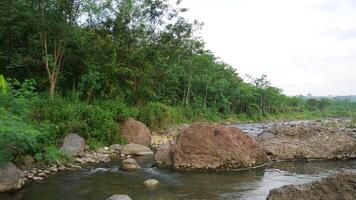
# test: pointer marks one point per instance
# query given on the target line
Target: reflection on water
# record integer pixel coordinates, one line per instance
(101, 181)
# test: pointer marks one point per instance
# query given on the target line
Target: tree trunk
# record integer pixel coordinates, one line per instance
(52, 89)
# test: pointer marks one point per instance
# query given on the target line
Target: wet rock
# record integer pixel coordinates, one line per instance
(37, 178)
(73, 144)
(136, 150)
(130, 165)
(41, 174)
(119, 197)
(163, 157)
(136, 132)
(204, 146)
(340, 186)
(115, 147)
(10, 177)
(151, 182)
(307, 142)
(53, 169)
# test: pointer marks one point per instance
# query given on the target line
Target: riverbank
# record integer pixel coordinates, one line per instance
(40, 173)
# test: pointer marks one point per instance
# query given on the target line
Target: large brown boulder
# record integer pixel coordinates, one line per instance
(305, 142)
(10, 177)
(136, 132)
(204, 146)
(341, 186)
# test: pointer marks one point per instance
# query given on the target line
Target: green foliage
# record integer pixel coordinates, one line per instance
(156, 115)
(3, 84)
(51, 154)
(97, 121)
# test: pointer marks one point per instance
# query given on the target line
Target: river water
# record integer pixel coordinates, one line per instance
(98, 182)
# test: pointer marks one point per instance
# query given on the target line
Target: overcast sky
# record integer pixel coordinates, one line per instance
(303, 46)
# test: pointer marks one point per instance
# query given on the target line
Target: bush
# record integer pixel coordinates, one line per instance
(17, 137)
(97, 122)
(156, 115)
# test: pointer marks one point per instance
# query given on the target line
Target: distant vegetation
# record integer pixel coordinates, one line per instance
(84, 66)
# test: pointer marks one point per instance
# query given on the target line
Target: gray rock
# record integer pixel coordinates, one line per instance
(151, 182)
(115, 147)
(119, 197)
(163, 157)
(10, 177)
(73, 144)
(130, 165)
(136, 150)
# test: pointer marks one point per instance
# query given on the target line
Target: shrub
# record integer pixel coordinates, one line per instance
(97, 122)
(156, 115)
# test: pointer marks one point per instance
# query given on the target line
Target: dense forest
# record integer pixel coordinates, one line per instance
(85, 66)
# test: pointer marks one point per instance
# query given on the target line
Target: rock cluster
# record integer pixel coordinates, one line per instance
(340, 186)
(307, 142)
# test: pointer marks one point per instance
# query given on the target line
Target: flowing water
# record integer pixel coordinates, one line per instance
(101, 181)
(98, 182)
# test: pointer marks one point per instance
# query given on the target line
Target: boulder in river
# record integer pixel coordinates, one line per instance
(136, 150)
(340, 186)
(73, 144)
(119, 197)
(10, 177)
(204, 146)
(163, 156)
(130, 165)
(306, 142)
(136, 132)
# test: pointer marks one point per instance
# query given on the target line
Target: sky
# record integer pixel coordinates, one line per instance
(303, 46)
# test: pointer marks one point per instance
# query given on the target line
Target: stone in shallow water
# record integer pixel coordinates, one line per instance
(204, 146)
(151, 182)
(130, 165)
(119, 197)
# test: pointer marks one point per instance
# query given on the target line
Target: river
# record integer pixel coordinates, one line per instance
(98, 182)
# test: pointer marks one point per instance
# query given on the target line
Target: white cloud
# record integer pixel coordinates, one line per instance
(303, 46)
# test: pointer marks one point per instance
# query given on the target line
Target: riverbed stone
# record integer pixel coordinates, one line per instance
(10, 177)
(73, 144)
(307, 143)
(130, 165)
(151, 182)
(204, 146)
(163, 156)
(115, 147)
(341, 186)
(136, 150)
(119, 197)
(136, 132)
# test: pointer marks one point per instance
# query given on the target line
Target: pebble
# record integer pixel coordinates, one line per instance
(36, 178)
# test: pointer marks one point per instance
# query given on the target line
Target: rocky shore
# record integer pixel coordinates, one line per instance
(341, 186)
(204, 147)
